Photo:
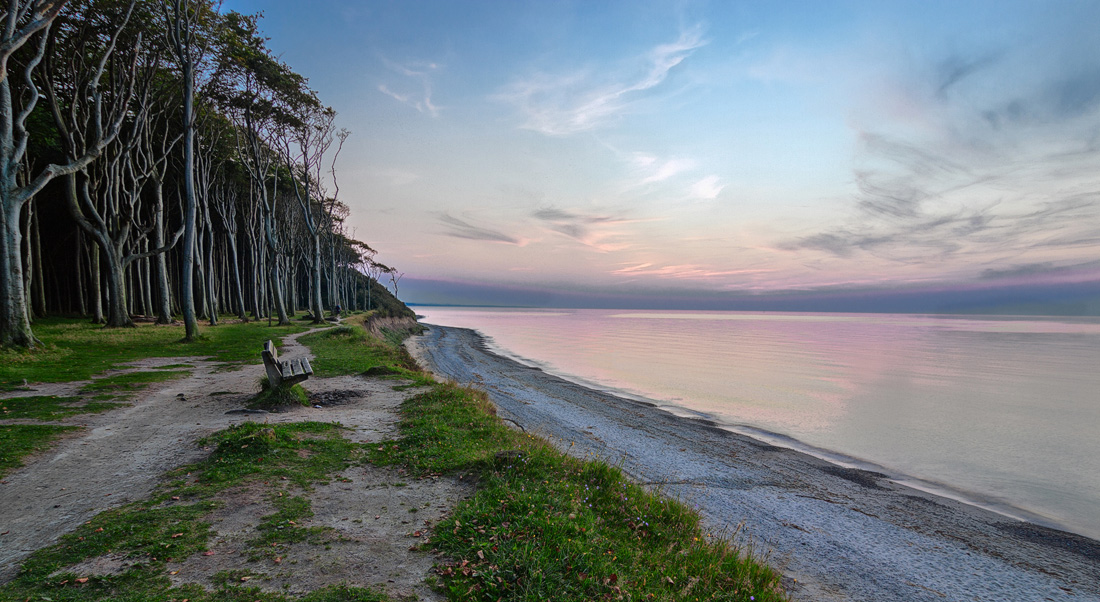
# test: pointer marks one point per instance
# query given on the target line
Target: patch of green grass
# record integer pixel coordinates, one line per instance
(20, 440)
(302, 452)
(75, 349)
(51, 407)
(349, 349)
(543, 525)
(151, 535)
(272, 398)
(129, 382)
(284, 526)
(448, 428)
(173, 366)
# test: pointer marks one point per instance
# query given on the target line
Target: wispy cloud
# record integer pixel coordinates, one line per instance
(459, 228)
(562, 104)
(415, 89)
(991, 164)
(659, 171)
(707, 188)
(683, 271)
(600, 232)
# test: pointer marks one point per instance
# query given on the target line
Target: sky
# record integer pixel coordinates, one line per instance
(923, 156)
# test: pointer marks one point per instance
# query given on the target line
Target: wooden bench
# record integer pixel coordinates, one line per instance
(285, 372)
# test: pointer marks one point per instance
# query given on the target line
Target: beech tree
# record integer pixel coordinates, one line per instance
(191, 167)
(24, 21)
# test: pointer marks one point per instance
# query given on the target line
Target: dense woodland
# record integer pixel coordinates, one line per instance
(157, 160)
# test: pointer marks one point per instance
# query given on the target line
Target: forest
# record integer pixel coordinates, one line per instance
(158, 161)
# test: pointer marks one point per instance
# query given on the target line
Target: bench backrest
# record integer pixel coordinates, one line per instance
(271, 364)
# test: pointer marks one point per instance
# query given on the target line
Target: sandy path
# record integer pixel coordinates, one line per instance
(837, 534)
(121, 454)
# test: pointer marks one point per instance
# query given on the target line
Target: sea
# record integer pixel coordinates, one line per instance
(1001, 412)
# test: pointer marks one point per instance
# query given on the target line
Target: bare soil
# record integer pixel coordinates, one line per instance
(119, 456)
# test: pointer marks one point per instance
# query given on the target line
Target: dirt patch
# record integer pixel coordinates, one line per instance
(374, 521)
(120, 456)
(336, 398)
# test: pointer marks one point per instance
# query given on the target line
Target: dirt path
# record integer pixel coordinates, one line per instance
(120, 455)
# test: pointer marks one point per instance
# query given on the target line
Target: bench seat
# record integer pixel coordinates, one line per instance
(285, 371)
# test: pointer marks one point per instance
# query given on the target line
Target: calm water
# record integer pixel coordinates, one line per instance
(1001, 411)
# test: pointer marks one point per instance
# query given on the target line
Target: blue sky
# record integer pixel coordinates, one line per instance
(672, 152)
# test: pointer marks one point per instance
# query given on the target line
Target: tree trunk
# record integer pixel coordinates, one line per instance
(236, 273)
(118, 314)
(318, 309)
(187, 270)
(97, 287)
(81, 289)
(278, 295)
(160, 262)
(15, 323)
(211, 298)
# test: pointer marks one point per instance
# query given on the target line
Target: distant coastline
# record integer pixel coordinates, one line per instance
(983, 297)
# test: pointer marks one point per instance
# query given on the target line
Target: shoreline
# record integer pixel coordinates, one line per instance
(837, 533)
(991, 504)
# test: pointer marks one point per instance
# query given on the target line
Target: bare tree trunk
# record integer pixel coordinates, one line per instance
(82, 290)
(236, 273)
(39, 275)
(97, 287)
(160, 261)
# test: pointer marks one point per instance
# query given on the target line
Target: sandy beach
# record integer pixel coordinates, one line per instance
(836, 533)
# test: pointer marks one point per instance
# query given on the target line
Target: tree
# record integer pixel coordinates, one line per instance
(184, 22)
(106, 199)
(24, 20)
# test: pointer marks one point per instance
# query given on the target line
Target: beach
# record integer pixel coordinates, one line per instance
(836, 533)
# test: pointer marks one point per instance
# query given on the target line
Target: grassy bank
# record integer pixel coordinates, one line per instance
(78, 350)
(540, 525)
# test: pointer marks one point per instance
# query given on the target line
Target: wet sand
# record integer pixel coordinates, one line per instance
(835, 533)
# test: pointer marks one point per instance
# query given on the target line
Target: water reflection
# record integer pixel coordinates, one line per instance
(1004, 408)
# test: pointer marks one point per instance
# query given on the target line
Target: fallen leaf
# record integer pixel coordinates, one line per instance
(82, 580)
(208, 553)
(177, 535)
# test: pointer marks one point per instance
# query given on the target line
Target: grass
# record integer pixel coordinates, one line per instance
(50, 407)
(274, 398)
(350, 349)
(20, 440)
(545, 526)
(130, 382)
(75, 349)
